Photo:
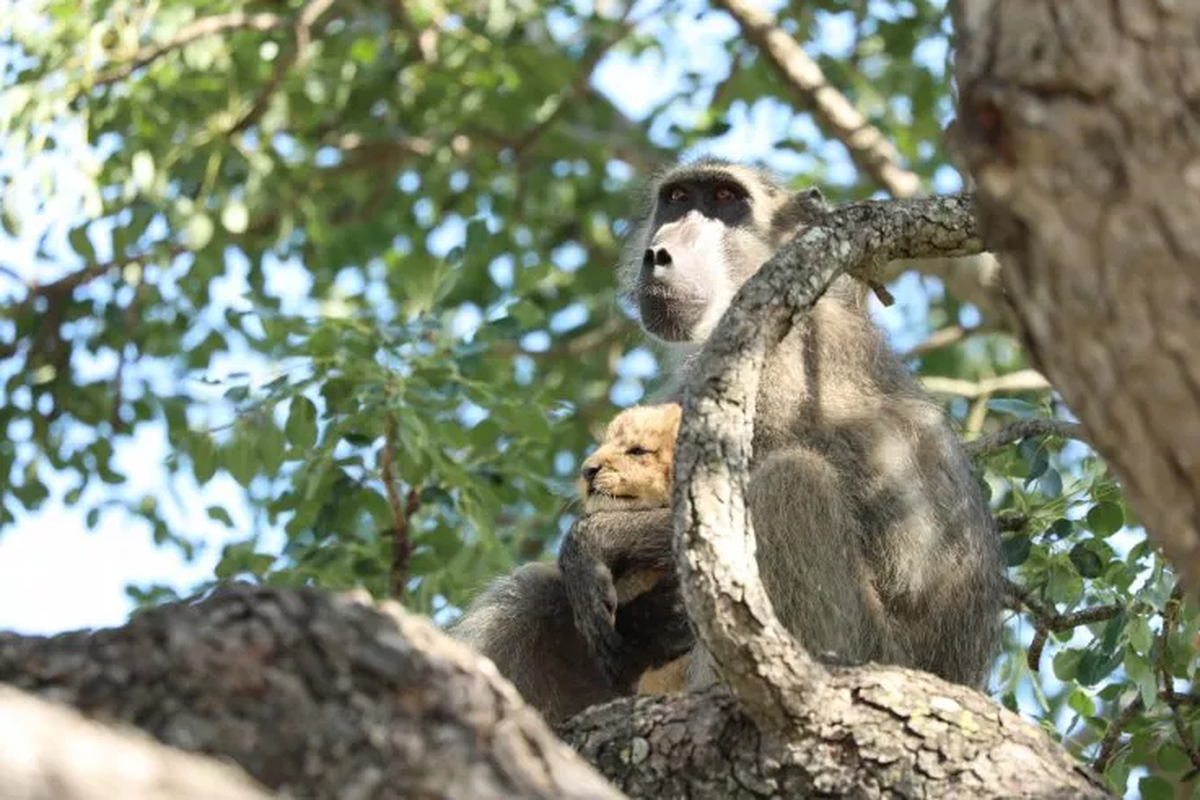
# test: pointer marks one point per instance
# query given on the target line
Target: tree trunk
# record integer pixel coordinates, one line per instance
(1081, 124)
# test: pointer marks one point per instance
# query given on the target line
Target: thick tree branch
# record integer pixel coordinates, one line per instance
(779, 682)
(882, 732)
(313, 695)
(48, 752)
(974, 280)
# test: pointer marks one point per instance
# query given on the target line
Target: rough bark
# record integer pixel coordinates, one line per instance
(48, 752)
(882, 732)
(311, 694)
(1081, 123)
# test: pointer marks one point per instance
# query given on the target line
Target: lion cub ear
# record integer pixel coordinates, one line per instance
(674, 415)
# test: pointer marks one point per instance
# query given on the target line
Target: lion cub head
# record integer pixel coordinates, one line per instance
(632, 467)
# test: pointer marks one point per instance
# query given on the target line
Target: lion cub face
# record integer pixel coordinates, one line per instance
(632, 467)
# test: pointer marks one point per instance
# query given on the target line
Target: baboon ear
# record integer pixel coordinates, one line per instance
(802, 208)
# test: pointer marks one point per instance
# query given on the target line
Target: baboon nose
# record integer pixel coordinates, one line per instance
(590, 473)
(656, 256)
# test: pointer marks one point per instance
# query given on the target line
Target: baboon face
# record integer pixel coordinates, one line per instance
(632, 467)
(712, 225)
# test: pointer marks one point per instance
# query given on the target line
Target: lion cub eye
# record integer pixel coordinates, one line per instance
(637, 450)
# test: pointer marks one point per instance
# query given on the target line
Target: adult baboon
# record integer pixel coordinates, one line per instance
(874, 541)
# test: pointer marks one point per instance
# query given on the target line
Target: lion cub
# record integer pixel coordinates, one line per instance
(631, 470)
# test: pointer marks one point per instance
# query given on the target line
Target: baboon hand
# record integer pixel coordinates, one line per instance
(592, 594)
(594, 603)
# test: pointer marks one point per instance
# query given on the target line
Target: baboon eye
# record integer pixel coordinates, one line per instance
(725, 194)
(677, 194)
(637, 450)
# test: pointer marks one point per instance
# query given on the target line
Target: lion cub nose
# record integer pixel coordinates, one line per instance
(590, 473)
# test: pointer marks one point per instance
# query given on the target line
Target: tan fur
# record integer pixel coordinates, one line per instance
(628, 481)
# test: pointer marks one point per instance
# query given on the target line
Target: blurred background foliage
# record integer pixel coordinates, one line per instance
(357, 260)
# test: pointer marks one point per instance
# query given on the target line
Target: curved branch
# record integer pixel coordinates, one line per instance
(778, 681)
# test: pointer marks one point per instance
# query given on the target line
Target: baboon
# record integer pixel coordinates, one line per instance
(552, 662)
(874, 540)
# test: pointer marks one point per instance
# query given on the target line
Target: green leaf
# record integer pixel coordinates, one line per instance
(1080, 702)
(1086, 562)
(1140, 635)
(220, 515)
(1172, 758)
(1014, 407)
(92, 518)
(1016, 549)
(204, 457)
(1105, 519)
(271, 444)
(1153, 787)
(1066, 664)
(240, 461)
(301, 427)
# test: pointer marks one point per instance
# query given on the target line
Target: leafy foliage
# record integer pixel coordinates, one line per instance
(360, 258)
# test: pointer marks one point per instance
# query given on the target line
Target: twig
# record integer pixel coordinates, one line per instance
(833, 112)
(1170, 616)
(66, 284)
(1046, 620)
(301, 38)
(206, 26)
(1025, 380)
(12, 273)
(402, 512)
(1113, 735)
(1021, 430)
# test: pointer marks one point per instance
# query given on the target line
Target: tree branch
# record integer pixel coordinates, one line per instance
(779, 682)
(205, 26)
(1024, 380)
(1021, 430)
(314, 695)
(869, 149)
(301, 38)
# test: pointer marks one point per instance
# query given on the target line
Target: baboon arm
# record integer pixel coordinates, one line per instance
(599, 550)
(625, 540)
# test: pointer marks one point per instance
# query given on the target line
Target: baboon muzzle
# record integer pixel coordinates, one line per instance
(655, 257)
